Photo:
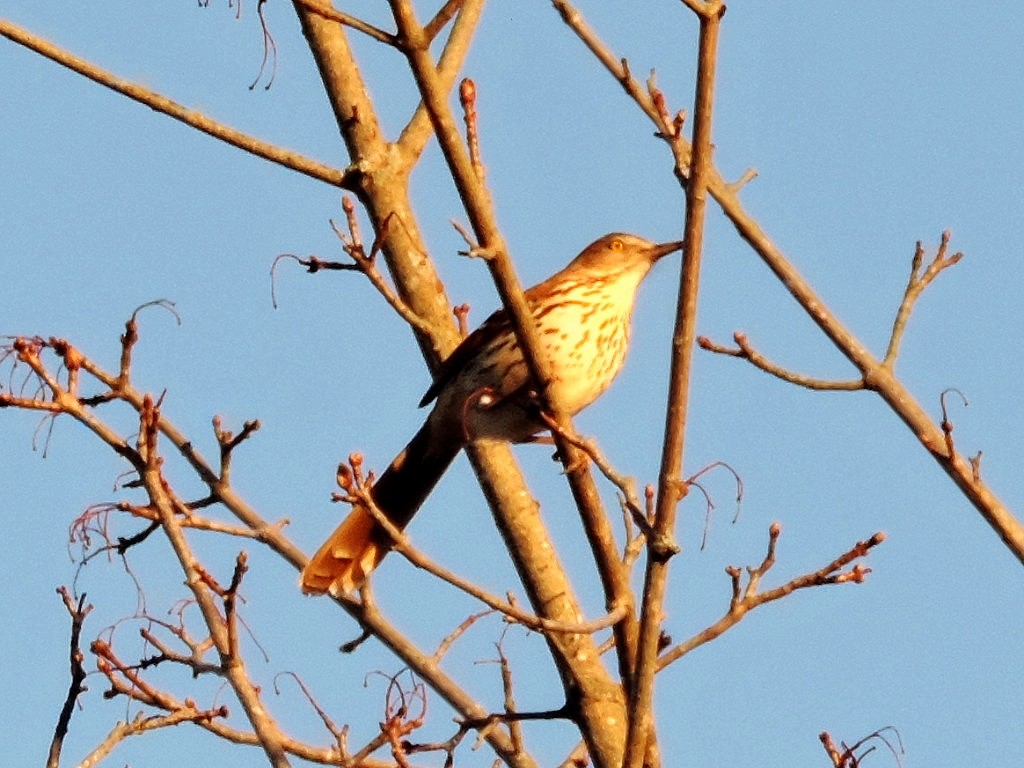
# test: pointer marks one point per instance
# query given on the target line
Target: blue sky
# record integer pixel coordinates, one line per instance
(872, 125)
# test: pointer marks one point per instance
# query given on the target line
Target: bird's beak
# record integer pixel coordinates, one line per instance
(664, 249)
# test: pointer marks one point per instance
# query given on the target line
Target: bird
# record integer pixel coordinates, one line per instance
(484, 391)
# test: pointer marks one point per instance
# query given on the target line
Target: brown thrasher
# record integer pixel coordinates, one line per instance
(484, 391)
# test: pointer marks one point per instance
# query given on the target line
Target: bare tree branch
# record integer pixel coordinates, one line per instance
(660, 545)
(190, 117)
(746, 598)
(877, 376)
(746, 351)
(328, 11)
(165, 507)
(77, 687)
(915, 287)
(546, 590)
(614, 716)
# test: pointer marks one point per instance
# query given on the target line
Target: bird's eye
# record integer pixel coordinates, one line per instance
(616, 245)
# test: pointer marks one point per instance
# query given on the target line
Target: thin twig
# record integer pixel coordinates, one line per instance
(76, 687)
(915, 287)
(449, 639)
(340, 734)
(848, 757)
(467, 97)
(366, 263)
(515, 726)
(228, 441)
(324, 9)
(746, 351)
(625, 485)
(222, 630)
(918, 281)
(947, 426)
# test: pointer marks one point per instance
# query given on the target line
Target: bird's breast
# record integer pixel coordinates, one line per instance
(587, 348)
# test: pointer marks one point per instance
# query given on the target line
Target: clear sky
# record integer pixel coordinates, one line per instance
(872, 125)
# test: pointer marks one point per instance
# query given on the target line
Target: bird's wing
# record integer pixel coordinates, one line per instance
(493, 327)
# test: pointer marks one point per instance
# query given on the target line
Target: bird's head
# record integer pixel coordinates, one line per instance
(621, 252)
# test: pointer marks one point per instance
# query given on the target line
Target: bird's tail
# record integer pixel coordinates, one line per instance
(359, 544)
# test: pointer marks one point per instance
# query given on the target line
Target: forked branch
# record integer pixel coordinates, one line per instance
(746, 597)
(915, 287)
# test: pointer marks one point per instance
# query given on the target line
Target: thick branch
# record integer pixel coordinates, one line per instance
(545, 582)
(382, 175)
(415, 135)
(660, 547)
(480, 211)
